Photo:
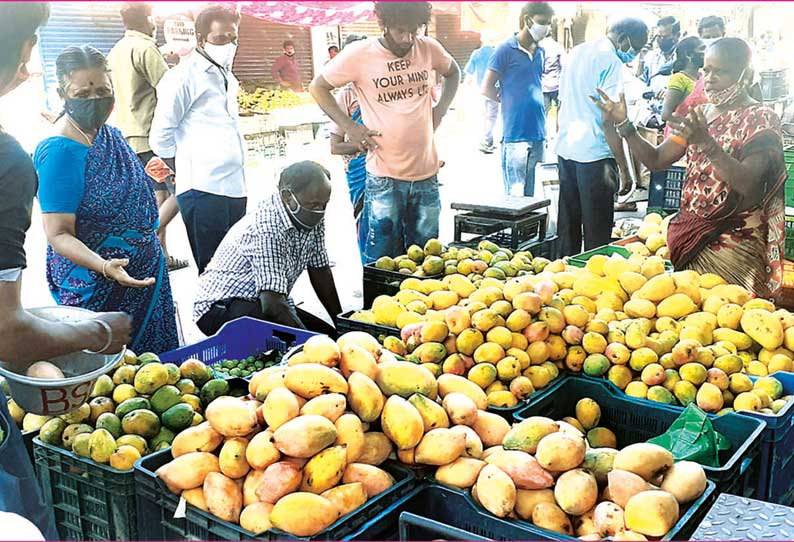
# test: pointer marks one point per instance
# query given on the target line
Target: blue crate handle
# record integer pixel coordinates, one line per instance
(444, 531)
(745, 465)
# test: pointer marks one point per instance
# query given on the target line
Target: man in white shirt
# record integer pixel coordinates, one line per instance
(195, 131)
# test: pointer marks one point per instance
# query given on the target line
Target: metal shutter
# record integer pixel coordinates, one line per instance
(260, 45)
(76, 23)
(460, 44)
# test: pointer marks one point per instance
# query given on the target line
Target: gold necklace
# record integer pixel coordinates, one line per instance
(76, 127)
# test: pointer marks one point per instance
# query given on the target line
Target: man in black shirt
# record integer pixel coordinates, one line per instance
(25, 338)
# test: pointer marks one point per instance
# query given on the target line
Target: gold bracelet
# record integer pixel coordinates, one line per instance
(104, 268)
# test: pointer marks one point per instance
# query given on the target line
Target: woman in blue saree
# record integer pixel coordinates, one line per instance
(99, 210)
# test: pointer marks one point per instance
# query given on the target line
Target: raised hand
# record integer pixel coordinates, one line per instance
(615, 112)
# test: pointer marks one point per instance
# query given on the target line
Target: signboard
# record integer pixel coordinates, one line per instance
(180, 32)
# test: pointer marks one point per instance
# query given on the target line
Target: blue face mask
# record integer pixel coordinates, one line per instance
(626, 56)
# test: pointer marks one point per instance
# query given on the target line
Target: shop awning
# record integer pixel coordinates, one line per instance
(308, 13)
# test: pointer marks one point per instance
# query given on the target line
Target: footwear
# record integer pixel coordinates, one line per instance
(175, 264)
(627, 207)
(487, 149)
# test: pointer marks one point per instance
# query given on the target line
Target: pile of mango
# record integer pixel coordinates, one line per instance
(549, 473)
(487, 260)
(673, 338)
(263, 100)
(138, 409)
(653, 237)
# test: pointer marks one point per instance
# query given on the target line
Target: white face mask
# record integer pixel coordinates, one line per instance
(222, 54)
(539, 31)
(709, 41)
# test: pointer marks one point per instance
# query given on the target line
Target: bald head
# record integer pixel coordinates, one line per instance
(726, 61)
(733, 51)
(628, 31)
(309, 182)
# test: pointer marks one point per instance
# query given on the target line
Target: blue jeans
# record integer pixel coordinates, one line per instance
(398, 214)
(518, 166)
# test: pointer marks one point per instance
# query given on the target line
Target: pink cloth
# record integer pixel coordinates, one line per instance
(395, 99)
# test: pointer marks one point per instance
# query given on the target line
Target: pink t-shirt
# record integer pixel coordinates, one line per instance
(394, 96)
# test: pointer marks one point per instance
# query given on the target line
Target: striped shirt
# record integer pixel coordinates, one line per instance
(262, 252)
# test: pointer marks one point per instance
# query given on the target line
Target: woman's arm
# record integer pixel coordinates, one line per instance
(672, 100)
(60, 231)
(340, 146)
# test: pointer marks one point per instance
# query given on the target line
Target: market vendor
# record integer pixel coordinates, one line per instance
(23, 337)
(731, 221)
(260, 259)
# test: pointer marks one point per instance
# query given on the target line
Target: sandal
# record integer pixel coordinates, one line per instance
(174, 264)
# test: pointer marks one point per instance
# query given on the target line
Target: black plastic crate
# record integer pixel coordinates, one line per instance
(382, 282)
(789, 243)
(27, 438)
(513, 233)
(666, 187)
(345, 324)
(413, 527)
(90, 501)
(633, 422)
(156, 507)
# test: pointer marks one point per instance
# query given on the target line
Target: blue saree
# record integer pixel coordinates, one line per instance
(107, 190)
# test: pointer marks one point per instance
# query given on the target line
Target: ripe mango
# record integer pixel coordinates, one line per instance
(374, 479)
(303, 514)
(522, 468)
(763, 327)
(346, 497)
(576, 491)
(330, 406)
(656, 289)
(304, 436)
(651, 513)
(377, 448)
(549, 516)
(560, 452)
(232, 417)
(364, 397)
(686, 481)
(355, 358)
(462, 472)
(279, 479)
(433, 415)
(350, 433)
(402, 423)
(496, 491)
(676, 306)
(261, 451)
(644, 459)
(449, 383)
(232, 458)
(189, 470)
(255, 517)
(440, 447)
(311, 380)
(623, 485)
(491, 428)
(404, 378)
(324, 470)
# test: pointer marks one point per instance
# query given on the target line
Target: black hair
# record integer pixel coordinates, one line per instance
(530, 9)
(670, 21)
(408, 14)
(353, 38)
(298, 176)
(287, 43)
(684, 51)
(78, 57)
(135, 14)
(632, 27)
(735, 51)
(709, 21)
(18, 24)
(333, 48)
(211, 14)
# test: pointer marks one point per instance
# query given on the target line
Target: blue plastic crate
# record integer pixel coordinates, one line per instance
(239, 339)
(776, 477)
(156, 506)
(741, 464)
(456, 508)
(413, 527)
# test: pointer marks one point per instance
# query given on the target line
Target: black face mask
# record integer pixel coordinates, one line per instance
(305, 219)
(698, 60)
(667, 44)
(89, 113)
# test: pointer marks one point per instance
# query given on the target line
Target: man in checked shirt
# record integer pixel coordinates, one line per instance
(255, 267)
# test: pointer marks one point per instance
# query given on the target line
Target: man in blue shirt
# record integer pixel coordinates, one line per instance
(475, 71)
(517, 67)
(591, 161)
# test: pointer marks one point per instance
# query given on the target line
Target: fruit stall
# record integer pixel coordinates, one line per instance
(480, 393)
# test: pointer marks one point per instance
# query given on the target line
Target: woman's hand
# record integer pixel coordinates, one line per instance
(114, 269)
(615, 112)
(694, 128)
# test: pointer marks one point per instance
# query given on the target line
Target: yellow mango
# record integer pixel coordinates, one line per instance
(346, 497)
(433, 414)
(324, 470)
(303, 514)
(404, 378)
(676, 306)
(232, 458)
(402, 423)
(311, 380)
(365, 397)
(656, 289)
(763, 327)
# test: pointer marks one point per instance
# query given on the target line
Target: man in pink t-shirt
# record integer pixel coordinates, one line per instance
(393, 76)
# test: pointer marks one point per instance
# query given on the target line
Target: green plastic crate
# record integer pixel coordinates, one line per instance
(580, 260)
(788, 252)
(90, 501)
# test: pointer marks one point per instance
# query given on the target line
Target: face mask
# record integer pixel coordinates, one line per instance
(307, 219)
(721, 98)
(539, 31)
(222, 54)
(667, 44)
(89, 113)
(709, 41)
(626, 56)
(697, 60)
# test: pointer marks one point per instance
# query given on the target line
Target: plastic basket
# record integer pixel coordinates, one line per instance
(789, 243)
(776, 476)
(27, 438)
(90, 501)
(239, 339)
(345, 324)
(620, 413)
(413, 527)
(156, 507)
(456, 508)
(666, 187)
(381, 282)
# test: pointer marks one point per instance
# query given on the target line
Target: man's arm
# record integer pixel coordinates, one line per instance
(173, 102)
(616, 146)
(25, 337)
(489, 89)
(448, 91)
(359, 134)
(277, 309)
(324, 286)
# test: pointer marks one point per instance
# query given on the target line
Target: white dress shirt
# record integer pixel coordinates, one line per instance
(196, 121)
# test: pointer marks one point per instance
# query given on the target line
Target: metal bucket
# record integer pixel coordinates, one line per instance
(774, 84)
(56, 397)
